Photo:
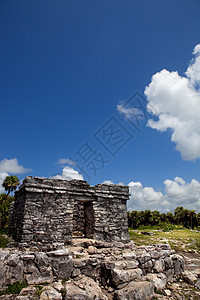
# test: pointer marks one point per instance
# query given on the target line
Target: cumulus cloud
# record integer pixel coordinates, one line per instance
(68, 173)
(12, 166)
(176, 193)
(175, 100)
(182, 193)
(144, 198)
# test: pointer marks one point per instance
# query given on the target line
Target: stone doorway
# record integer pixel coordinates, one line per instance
(83, 219)
(89, 219)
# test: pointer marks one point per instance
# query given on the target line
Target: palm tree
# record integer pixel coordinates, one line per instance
(10, 184)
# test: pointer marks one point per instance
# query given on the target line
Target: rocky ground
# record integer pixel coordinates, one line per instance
(97, 270)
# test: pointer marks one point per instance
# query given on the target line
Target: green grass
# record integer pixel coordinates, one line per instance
(179, 239)
(14, 288)
(161, 226)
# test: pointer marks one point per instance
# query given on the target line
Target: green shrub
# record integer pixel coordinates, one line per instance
(158, 292)
(3, 241)
(14, 288)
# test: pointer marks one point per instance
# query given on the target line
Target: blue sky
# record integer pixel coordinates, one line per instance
(64, 68)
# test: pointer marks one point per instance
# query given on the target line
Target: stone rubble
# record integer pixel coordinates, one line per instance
(91, 269)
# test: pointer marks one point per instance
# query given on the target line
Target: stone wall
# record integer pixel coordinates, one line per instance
(123, 270)
(48, 212)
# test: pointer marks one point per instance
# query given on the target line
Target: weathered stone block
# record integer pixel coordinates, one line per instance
(135, 290)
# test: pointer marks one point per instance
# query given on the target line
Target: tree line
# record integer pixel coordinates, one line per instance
(181, 216)
(10, 184)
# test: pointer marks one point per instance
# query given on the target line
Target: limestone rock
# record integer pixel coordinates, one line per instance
(132, 264)
(178, 264)
(159, 280)
(59, 252)
(118, 245)
(142, 290)
(13, 273)
(49, 293)
(122, 276)
(12, 260)
(117, 269)
(58, 285)
(159, 265)
(35, 277)
(167, 293)
(24, 298)
(197, 284)
(84, 288)
(92, 250)
(169, 275)
(62, 267)
(168, 263)
(28, 293)
(89, 266)
(145, 256)
(189, 277)
(147, 267)
(130, 255)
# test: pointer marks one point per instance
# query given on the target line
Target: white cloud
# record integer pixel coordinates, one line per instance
(111, 182)
(176, 193)
(69, 173)
(144, 197)
(130, 112)
(193, 71)
(12, 166)
(107, 182)
(175, 100)
(66, 161)
(180, 193)
(9, 167)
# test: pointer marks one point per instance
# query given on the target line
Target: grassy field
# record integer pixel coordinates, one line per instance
(3, 238)
(179, 238)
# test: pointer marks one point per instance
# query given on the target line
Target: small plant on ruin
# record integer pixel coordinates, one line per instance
(158, 292)
(38, 290)
(14, 288)
(63, 292)
(65, 280)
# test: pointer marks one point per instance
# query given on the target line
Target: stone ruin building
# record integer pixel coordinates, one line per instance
(48, 213)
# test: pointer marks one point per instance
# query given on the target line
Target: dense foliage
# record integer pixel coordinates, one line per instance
(10, 184)
(184, 217)
(5, 201)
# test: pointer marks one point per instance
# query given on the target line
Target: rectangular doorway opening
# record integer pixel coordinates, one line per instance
(83, 219)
